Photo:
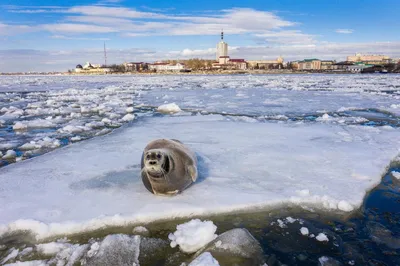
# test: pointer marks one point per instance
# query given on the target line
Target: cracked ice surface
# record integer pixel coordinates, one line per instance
(242, 166)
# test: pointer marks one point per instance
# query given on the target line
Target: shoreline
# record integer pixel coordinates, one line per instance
(225, 72)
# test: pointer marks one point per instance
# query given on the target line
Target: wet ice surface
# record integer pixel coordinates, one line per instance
(39, 114)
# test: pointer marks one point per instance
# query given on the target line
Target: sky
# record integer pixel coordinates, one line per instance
(55, 35)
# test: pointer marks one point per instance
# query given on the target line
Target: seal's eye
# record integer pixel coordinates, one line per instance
(148, 156)
(158, 156)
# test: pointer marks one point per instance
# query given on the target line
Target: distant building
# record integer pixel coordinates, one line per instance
(91, 68)
(266, 64)
(224, 62)
(358, 67)
(160, 66)
(238, 63)
(327, 64)
(369, 59)
(309, 64)
(343, 66)
(136, 66)
(222, 48)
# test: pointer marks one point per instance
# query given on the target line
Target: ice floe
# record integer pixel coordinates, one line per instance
(396, 174)
(205, 259)
(193, 235)
(241, 166)
(169, 108)
(10, 154)
(304, 231)
(322, 237)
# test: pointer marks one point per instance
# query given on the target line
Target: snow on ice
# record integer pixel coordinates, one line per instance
(205, 259)
(322, 237)
(304, 231)
(193, 235)
(169, 108)
(396, 174)
(241, 166)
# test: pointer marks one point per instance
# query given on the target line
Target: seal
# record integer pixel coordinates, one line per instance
(168, 167)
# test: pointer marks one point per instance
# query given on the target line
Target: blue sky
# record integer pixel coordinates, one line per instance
(56, 35)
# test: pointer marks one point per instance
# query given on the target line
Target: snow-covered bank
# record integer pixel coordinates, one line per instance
(242, 166)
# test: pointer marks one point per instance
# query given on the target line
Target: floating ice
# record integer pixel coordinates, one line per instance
(52, 248)
(327, 261)
(396, 174)
(76, 138)
(345, 206)
(322, 237)
(169, 108)
(115, 250)
(74, 129)
(29, 146)
(10, 154)
(13, 254)
(304, 231)
(193, 235)
(205, 259)
(8, 146)
(236, 172)
(236, 245)
(38, 123)
(28, 263)
(20, 126)
(140, 230)
(129, 110)
(128, 117)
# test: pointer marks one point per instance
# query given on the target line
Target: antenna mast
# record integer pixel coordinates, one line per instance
(105, 55)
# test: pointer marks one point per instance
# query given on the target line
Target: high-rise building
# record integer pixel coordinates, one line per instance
(222, 47)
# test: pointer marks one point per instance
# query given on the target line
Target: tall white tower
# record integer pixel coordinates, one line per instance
(222, 47)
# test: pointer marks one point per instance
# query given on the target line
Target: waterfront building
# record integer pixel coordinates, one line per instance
(343, 66)
(91, 68)
(160, 66)
(358, 67)
(309, 64)
(222, 47)
(266, 64)
(135, 66)
(369, 59)
(224, 61)
(327, 64)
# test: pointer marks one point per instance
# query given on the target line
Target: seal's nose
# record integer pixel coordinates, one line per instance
(152, 162)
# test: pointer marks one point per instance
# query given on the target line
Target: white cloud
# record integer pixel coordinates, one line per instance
(286, 37)
(106, 11)
(7, 29)
(344, 31)
(78, 38)
(131, 22)
(210, 52)
(77, 28)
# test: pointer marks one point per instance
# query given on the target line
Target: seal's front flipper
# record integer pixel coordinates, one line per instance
(147, 183)
(192, 170)
(172, 193)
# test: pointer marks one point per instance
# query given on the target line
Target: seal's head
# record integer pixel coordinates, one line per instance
(156, 162)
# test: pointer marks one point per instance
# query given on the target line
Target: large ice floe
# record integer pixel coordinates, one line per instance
(242, 166)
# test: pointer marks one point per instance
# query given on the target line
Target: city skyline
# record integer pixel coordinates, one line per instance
(54, 36)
